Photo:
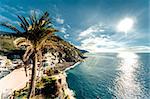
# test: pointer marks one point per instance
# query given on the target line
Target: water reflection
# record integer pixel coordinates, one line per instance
(127, 85)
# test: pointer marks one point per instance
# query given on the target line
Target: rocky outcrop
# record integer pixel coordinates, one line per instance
(63, 90)
(48, 87)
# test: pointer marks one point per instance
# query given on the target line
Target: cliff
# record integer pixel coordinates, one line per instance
(51, 87)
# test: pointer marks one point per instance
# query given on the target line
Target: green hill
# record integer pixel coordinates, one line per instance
(70, 51)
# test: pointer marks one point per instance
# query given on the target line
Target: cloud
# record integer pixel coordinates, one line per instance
(136, 49)
(63, 30)
(66, 36)
(5, 19)
(59, 20)
(2, 18)
(99, 44)
(38, 12)
(68, 26)
(11, 10)
(97, 39)
(100, 38)
(90, 31)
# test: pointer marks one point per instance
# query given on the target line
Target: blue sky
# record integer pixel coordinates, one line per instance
(89, 24)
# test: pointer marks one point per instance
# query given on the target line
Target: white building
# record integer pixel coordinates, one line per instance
(5, 63)
(3, 60)
(50, 59)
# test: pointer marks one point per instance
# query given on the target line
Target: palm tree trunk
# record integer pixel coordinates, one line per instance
(25, 69)
(33, 77)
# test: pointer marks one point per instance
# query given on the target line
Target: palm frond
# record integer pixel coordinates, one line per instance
(21, 42)
(28, 53)
(26, 21)
(23, 24)
(33, 19)
(45, 15)
(11, 27)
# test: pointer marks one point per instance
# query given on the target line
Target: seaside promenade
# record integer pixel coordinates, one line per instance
(13, 81)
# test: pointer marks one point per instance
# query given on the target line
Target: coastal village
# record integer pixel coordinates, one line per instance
(74, 49)
(16, 73)
(7, 66)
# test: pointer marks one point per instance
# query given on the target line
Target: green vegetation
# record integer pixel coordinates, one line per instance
(46, 86)
(51, 71)
(33, 37)
(37, 35)
(6, 43)
(67, 51)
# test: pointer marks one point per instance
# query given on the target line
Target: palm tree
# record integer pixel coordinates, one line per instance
(35, 33)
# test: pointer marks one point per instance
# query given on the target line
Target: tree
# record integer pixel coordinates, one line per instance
(35, 33)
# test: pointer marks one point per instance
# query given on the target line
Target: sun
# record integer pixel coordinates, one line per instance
(125, 25)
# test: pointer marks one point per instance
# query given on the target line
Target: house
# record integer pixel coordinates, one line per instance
(50, 59)
(3, 61)
(5, 64)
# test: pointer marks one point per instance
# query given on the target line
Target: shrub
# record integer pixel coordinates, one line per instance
(47, 86)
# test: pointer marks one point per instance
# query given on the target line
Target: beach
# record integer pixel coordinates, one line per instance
(13, 81)
(17, 79)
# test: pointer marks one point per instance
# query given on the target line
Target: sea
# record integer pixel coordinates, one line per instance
(124, 75)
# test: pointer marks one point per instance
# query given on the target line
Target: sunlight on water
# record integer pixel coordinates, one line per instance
(127, 86)
(111, 76)
(129, 62)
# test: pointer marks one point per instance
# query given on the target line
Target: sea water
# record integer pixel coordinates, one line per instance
(123, 75)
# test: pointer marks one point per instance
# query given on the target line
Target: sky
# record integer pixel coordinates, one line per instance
(89, 24)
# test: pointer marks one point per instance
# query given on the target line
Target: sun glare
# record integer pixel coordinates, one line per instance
(128, 57)
(125, 25)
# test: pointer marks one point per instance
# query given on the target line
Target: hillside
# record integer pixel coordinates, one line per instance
(6, 44)
(66, 51)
